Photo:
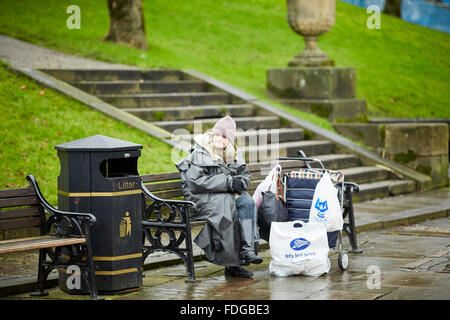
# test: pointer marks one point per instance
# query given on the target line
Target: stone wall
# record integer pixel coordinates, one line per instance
(423, 147)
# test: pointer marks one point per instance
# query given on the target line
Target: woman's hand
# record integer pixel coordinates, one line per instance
(237, 185)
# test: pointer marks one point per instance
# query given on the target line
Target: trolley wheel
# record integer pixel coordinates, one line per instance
(343, 260)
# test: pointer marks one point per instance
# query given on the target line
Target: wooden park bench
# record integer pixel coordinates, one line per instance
(165, 212)
(26, 208)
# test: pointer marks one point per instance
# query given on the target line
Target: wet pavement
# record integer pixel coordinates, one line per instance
(403, 262)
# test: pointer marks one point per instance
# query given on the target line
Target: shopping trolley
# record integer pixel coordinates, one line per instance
(299, 186)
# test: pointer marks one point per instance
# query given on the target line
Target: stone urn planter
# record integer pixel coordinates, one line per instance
(310, 82)
(311, 18)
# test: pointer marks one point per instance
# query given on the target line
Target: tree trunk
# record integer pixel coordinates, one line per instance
(393, 7)
(127, 23)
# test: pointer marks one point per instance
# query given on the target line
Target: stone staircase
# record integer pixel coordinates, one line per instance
(183, 104)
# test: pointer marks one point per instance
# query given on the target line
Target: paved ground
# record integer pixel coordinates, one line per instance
(22, 54)
(379, 213)
(404, 262)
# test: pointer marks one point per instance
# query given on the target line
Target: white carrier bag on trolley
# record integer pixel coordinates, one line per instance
(325, 207)
(298, 250)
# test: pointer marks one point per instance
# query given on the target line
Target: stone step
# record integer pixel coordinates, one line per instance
(260, 170)
(361, 175)
(365, 174)
(370, 134)
(357, 175)
(252, 136)
(192, 112)
(330, 162)
(138, 86)
(108, 75)
(338, 161)
(384, 188)
(166, 99)
(258, 153)
(202, 125)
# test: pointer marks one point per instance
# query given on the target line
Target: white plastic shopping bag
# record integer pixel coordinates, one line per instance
(325, 207)
(298, 250)
(270, 182)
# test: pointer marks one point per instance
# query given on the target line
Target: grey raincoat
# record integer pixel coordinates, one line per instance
(207, 182)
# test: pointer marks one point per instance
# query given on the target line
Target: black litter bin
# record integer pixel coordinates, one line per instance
(99, 175)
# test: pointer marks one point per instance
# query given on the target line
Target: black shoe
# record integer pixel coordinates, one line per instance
(250, 257)
(238, 272)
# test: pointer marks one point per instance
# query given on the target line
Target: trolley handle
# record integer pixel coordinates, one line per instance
(351, 186)
(303, 155)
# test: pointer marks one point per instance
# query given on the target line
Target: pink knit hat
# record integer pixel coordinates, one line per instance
(225, 127)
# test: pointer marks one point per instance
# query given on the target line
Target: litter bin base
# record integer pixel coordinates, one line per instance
(106, 285)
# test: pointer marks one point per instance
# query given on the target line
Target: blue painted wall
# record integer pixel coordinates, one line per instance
(424, 13)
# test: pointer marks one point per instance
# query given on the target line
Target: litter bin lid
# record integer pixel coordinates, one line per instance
(98, 143)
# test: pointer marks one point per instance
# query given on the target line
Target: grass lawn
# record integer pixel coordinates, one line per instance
(402, 69)
(35, 119)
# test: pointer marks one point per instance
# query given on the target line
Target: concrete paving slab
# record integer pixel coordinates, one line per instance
(418, 279)
(378, 207)
(154, 280)
(437, 265)
(416, 293)
(421, 230)
(261, 294)
(291, 284)
(403, 203)
(401, 246)
(435, 223)
(362, 287)
(342, 295)
(361, 263)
